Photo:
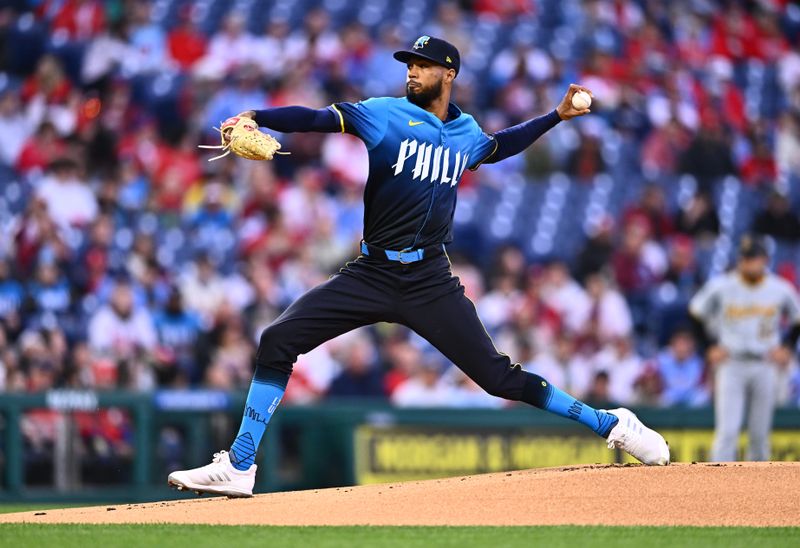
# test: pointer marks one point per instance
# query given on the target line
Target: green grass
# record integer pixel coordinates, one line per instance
(197, 536)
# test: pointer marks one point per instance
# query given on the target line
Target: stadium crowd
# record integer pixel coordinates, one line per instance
(128, 261)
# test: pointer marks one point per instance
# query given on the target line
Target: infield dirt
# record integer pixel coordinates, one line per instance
(751, 494)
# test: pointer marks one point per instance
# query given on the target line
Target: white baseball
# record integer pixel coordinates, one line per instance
(581, 100)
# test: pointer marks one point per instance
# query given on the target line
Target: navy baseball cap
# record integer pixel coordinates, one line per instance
(436, 50)
(751, 247)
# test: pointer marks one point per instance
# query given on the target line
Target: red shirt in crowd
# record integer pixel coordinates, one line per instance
(80, 19)
(186, 45)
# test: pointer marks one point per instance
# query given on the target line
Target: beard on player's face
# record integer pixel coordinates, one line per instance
(422, 96)
(752, 269)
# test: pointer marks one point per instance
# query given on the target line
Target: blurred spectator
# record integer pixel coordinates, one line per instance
(202, 288)
(424, 388)
(265, 305)
(316, 42)
(466, 393)
(638, 265)
(105, 55)
(496, 306)
(177, 332)
(185, 42)
(778, 220)
(346, 158)
(649, 387)
(682, 372)
(15, 127)
(270, 49)
(107, 436)
(11, 295)
(48, 83)
(598, 249)
(787, 142)
(662, 149)
(698, 218)
(598, 394)
(510, 261)
(49, 291)
(231, 364)
(142, 146)
(329, 251)
(49, 96)
(36, 234)
(391, 39)
(652, 208)
(119, 329)
(760, 167)
(303, 204)
(402, 360)
(141, 254)
(624, 368)
(671, 298)
(564, 295)
(450, 24)
(360, 377)
(69, 200)
(76, 19)
(315, 371)
(229, 49)
(215, 207)
(533, 317)
(40, 149)
(549, 365)
(521, 57)
(175, 172)
(586, 160)
(609, 317)
(242, 89)
(148, 42)
(38, 361)
(708, 156)
(134, 187)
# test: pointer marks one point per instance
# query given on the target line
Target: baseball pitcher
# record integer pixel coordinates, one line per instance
(419, 146)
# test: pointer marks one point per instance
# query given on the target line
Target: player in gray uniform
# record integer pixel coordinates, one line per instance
(739, 316)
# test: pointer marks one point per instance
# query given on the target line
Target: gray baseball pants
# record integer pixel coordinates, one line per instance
(743, 387)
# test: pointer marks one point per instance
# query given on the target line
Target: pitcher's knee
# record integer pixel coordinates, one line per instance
(270, 338)
(496, 388)
(510, 385)
(274, 353)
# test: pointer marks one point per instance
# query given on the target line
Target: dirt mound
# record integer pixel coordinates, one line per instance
(756, 494)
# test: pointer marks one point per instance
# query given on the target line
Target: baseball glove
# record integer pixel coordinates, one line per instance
(241, 136)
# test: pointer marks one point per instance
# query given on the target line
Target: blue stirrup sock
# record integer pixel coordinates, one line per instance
(266, 391)
(540, 393)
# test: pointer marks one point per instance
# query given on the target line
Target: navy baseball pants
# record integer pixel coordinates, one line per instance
(424, 296)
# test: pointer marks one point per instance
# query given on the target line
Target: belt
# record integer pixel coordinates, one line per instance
(749, 357)
(404, 256)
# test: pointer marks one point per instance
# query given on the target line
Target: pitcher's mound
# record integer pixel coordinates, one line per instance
(755, 494)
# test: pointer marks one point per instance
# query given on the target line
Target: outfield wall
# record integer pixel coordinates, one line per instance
(306, 447)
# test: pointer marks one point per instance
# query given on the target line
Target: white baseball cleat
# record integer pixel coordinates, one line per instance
(631, 435)
(218, 478)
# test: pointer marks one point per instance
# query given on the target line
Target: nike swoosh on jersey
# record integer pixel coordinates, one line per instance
(412, 123)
